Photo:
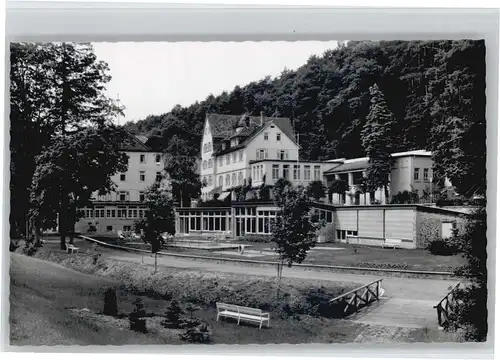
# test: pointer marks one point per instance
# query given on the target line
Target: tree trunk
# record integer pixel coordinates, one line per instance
(71, 225)
(181, 199)
(38, 241)
(156, 262)
(280, 273)
(63, 226)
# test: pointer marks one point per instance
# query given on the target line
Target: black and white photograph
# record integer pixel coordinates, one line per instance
(253, 192)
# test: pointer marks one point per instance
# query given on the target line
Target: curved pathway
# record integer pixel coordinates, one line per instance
(407, 302)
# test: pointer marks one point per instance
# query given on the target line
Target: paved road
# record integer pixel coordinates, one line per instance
(40, 294)
(407, 302)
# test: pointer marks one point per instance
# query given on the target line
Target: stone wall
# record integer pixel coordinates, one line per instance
(429, 226)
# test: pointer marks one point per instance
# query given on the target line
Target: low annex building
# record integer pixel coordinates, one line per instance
(411, 225)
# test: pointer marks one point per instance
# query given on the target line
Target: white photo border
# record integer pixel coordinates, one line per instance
(79, 21)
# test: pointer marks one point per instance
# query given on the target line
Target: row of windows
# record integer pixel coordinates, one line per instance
(142, 159)
(416, 174)
(235, 157)
(285, 172)
(115, 213)
(341, 234)
(119, 196)
(142, 176)
(234, 179)
(266, 136)
(263, 154)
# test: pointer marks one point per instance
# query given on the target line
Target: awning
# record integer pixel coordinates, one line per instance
(223, 195)
(216, 190)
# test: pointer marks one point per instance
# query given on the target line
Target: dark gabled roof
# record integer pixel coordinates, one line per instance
(224, 126)
(358, 165)
(134, 143)
(228, 150)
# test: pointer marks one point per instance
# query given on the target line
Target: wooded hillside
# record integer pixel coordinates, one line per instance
(435, 89)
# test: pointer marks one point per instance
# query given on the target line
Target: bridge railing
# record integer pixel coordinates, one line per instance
(360, 297)
(446, 306)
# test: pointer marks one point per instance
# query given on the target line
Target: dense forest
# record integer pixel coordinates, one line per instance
(435, 90)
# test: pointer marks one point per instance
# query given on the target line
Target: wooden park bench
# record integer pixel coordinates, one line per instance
(392, 243)
(71, 249)
(242, 313)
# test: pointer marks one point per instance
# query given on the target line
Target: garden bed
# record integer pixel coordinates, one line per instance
(298, 296)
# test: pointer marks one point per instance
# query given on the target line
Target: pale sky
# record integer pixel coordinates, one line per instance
(152, 77)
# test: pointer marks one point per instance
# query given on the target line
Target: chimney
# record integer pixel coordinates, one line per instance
(261, 118)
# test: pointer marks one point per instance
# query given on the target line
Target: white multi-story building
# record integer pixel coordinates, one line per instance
(238, 148)
(118, 210)
(232, 142)
(411, 171)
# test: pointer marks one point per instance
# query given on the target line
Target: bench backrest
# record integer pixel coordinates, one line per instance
(393, 241)
(237, 308)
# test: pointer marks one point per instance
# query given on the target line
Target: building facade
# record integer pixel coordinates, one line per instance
(230, 143)
(118, 210)
(411, 171)
(414, 226)
(236, 149)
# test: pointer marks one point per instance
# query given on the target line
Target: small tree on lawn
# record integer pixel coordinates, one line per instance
(376, 138)
(173, 315)
(160, 217)
(294, 231)
(316, 190)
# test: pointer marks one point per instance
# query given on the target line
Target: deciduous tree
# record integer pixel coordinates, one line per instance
(160, 217)
(316, 190)
(70, 170)
(294, 231)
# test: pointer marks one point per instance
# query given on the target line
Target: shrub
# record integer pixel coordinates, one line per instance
(197, 334)
(110, 303)
(441, 247)
(29, 249)
(256, 238)
(13, 245)
(173, 316)
(137, 317)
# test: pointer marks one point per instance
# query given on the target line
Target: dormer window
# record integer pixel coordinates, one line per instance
(223, 146)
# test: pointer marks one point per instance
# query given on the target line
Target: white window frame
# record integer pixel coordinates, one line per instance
(307, 172)
(275, 171)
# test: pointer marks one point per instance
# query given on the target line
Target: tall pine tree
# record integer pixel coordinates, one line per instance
(377, 139)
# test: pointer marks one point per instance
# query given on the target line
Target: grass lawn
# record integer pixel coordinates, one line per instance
(341, 255)
(53, 305)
